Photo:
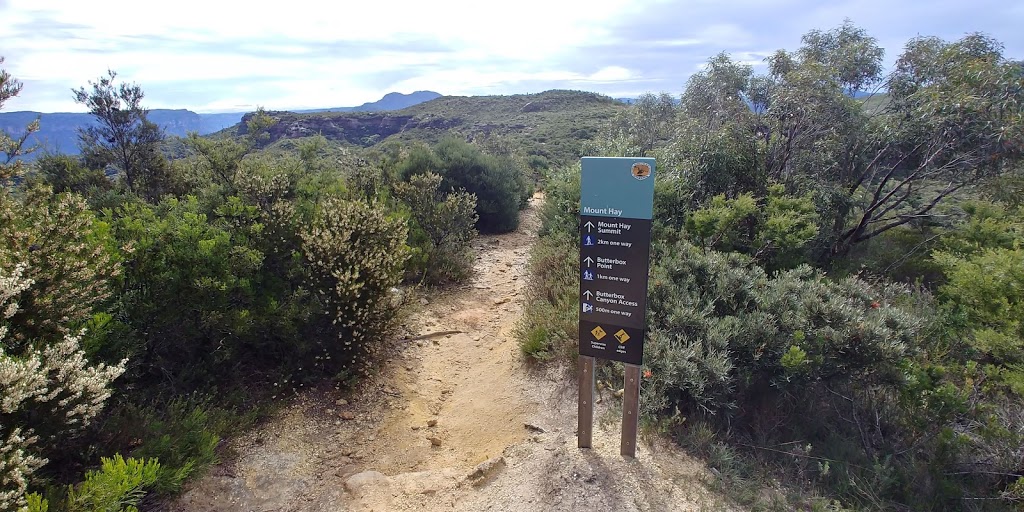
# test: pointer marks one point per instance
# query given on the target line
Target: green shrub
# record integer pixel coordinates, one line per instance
(986, 290)
(442, 228)
(549, 327)
(183, 437)
(499, 183)
(176, 250)
(66, 173)
(725, 335)
(559, 214)
(536, 343)
(117, 486)
(36, 503)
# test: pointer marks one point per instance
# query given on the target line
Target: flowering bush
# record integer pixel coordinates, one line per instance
(356, 254)
(46, 393)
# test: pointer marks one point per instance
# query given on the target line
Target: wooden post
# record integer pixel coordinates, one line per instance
(630, 410)
(586, 402)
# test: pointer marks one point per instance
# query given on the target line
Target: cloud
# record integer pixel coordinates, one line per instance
(304, 53)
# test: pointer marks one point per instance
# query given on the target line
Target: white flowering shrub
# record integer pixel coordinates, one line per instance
(46, 393)
(356, 252)
(70, 258)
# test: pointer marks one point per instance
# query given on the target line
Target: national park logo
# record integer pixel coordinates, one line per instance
(641, 170)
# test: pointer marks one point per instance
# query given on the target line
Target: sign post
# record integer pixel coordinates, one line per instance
(616, 205)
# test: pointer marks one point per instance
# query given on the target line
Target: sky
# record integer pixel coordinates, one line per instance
(220, 56)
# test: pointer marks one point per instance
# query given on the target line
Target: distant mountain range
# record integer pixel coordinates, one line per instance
(58, 132)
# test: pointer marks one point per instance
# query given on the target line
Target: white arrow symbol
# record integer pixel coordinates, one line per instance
(587, 294)
(588, 260)
(589, 225)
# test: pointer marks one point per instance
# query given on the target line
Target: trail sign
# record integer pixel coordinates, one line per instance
(616, 202)
(616, 205)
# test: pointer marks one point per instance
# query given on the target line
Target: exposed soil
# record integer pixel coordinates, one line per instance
(456, 420)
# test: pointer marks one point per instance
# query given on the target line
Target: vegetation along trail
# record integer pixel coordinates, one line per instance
(457, 420)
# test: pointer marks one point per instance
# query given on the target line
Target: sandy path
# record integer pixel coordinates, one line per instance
(456, 421)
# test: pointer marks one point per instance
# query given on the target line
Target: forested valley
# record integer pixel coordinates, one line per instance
(836, 302)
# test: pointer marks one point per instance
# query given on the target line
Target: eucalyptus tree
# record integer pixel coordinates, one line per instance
(949, 117)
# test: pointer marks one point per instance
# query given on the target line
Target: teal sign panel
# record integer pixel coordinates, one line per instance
(617, 187)
(617, 197)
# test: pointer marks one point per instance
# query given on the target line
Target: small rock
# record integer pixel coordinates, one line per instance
(434, 441)
(534, 428)
(493, 242)
(415, 427)
(486, 470)
(341, 401)
(431, 423)
(348, 415)
(501, 301)
(618, 393)
(408, 368)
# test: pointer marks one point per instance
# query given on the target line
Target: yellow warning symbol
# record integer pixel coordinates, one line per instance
(598, 333)
(622, 336)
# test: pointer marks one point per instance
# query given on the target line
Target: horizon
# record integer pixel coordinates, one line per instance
(231, 60)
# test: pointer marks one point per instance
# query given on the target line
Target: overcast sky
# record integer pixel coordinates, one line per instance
(217, 56)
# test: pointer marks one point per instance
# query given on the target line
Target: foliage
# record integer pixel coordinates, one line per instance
(12, 148)
(549, 327)
(68, 174)
(182, 438)
(174, 251)
(950, 123)
(443, 227)
(986, 291)
(649, 123)
(772, 230)
(50, 393)
(71, 258)
(498, 183)
(356, 255)
(123, 136)
(118, 486)
(727, 335)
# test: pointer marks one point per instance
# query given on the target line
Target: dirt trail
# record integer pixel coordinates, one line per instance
(457, 421)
